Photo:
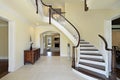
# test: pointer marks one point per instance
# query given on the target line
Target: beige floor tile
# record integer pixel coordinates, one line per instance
(46, 68)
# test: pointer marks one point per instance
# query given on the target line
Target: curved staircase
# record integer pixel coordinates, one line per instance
(91, 62)
(86, 58)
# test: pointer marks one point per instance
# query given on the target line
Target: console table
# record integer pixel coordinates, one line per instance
(30, 56)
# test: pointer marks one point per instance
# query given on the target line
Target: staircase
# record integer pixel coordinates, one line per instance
(88, 61)
(91, 63)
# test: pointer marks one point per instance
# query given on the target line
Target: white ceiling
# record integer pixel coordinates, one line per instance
(103, 4)
(24, 8)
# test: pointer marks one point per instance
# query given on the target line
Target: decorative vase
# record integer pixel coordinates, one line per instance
(31, 46)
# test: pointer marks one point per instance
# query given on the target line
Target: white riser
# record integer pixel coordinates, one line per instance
(84, 75)
(92, 69)
(92, 62)
(89, 52)
(91, 56)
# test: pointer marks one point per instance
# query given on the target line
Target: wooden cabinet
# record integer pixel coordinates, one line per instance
(30, 56)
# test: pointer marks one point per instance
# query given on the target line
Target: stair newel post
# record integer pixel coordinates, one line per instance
(113, 73)
(73, 57)
(114, 59)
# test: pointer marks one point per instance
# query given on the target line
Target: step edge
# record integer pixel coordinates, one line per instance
(91, 59)
(92, 69)
(89, 65)
(91, 56)
(93, 62)
(84, 75)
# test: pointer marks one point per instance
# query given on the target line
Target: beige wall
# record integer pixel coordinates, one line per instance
(21, 35)
(90, 23)
(116, 38)
(3, 42)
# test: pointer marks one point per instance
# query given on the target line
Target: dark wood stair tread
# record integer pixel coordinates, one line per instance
(88, 49)
(92, 59)
(84, 43)
(93, 65)
(94, 54)
(82, 40)
(91, 73)
(86, 46)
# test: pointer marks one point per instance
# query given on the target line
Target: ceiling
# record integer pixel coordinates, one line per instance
(27, 9)
(103, 4)
(92, 4)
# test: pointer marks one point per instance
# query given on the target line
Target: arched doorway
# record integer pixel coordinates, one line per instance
(51, 43)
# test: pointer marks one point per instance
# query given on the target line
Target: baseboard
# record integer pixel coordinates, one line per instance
(14, 68)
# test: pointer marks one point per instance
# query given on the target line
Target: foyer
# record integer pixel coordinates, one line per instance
(46, 68)
(85, 36)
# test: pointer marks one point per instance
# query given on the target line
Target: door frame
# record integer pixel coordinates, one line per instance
(11, 43)
(108, 35)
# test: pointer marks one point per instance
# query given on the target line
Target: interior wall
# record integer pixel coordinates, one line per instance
(21, 38)
(4, 42)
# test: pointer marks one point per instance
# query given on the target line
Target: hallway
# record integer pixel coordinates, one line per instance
(51, 52)
(46, 68)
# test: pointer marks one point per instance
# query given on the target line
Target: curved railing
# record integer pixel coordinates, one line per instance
(113, 61)
(106, 44)
(67, 23)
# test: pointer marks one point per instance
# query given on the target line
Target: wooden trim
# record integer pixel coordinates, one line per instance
(36, 6)
(85, 5)
(50, 16)
(115, 28)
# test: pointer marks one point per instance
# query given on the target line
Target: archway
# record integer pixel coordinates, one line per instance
(50, 42)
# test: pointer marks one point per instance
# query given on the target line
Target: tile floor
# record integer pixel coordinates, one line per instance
(46, 68)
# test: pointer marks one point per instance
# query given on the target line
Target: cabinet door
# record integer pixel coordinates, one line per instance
(28, 56)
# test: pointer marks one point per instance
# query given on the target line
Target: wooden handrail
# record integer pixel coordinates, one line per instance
(106, 44)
